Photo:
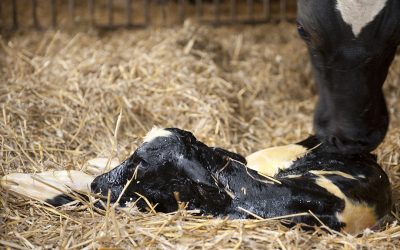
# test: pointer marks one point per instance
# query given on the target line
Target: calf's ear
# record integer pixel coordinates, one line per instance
(230, 154)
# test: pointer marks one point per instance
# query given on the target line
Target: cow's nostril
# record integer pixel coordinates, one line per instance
(333, 140)
(336, 143)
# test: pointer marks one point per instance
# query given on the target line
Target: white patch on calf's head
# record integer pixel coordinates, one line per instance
(359, 13)
(156, 132)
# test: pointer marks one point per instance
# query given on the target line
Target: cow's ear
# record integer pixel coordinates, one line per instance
(229, 154)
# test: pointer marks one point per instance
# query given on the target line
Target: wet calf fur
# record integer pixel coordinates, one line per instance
(349, 192)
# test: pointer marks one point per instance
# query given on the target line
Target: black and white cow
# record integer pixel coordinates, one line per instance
(330, 178)
(351, 44)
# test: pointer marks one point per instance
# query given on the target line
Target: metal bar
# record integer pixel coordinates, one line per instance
(199, 9)
(34, 14)
(54, 13)
(283, 10)
(110, 11)
(250, 9)
(267, 9)
(91, 6)
(128, 12)
(217, 11)
(15, 14)
(146, 8)
(233, 11)
(181, 11)
(71, 10)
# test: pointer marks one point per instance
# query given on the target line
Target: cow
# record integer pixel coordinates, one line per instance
(330, 178)
(351, 45)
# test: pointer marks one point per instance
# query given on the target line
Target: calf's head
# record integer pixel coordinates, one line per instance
(351, 44)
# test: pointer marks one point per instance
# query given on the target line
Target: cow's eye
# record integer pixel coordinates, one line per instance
(302, 32)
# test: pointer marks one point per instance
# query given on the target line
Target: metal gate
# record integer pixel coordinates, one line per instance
(111, 14)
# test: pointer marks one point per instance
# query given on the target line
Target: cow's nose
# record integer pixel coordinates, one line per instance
(343, 145)
(335, 145)
(339, 144)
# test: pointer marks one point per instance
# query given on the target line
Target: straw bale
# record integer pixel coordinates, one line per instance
(242, 88)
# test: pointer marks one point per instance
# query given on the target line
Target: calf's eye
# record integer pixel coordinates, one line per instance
(302, 32)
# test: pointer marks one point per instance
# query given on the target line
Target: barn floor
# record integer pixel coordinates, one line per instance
(243, 88)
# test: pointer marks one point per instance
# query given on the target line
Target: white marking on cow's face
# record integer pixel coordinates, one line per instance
(358, 13)
(156, 132)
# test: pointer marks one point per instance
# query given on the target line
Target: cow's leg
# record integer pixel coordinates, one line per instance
(54, 187)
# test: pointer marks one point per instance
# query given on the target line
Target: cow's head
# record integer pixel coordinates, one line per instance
(351, 44)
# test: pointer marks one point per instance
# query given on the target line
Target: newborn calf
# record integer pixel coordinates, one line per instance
(345, 192)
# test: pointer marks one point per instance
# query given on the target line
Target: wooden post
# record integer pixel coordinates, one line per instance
(54, 13)
(146, 12)
(233, 11)
(283, 10)
(216, 11)
(250, 10)
(267, 10)
(181, 11)
(15, 14)
(128, 12)
(71, 10)
(199, 9)
(34, 14)
(110, 10)
(91, 6)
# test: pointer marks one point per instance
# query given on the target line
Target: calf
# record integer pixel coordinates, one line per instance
(345, 192)
(351, 45)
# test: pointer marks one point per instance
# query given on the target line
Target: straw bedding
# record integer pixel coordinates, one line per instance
(66, 97)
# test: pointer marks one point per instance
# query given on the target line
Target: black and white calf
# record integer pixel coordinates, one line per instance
(351, 44)
(349, 192)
